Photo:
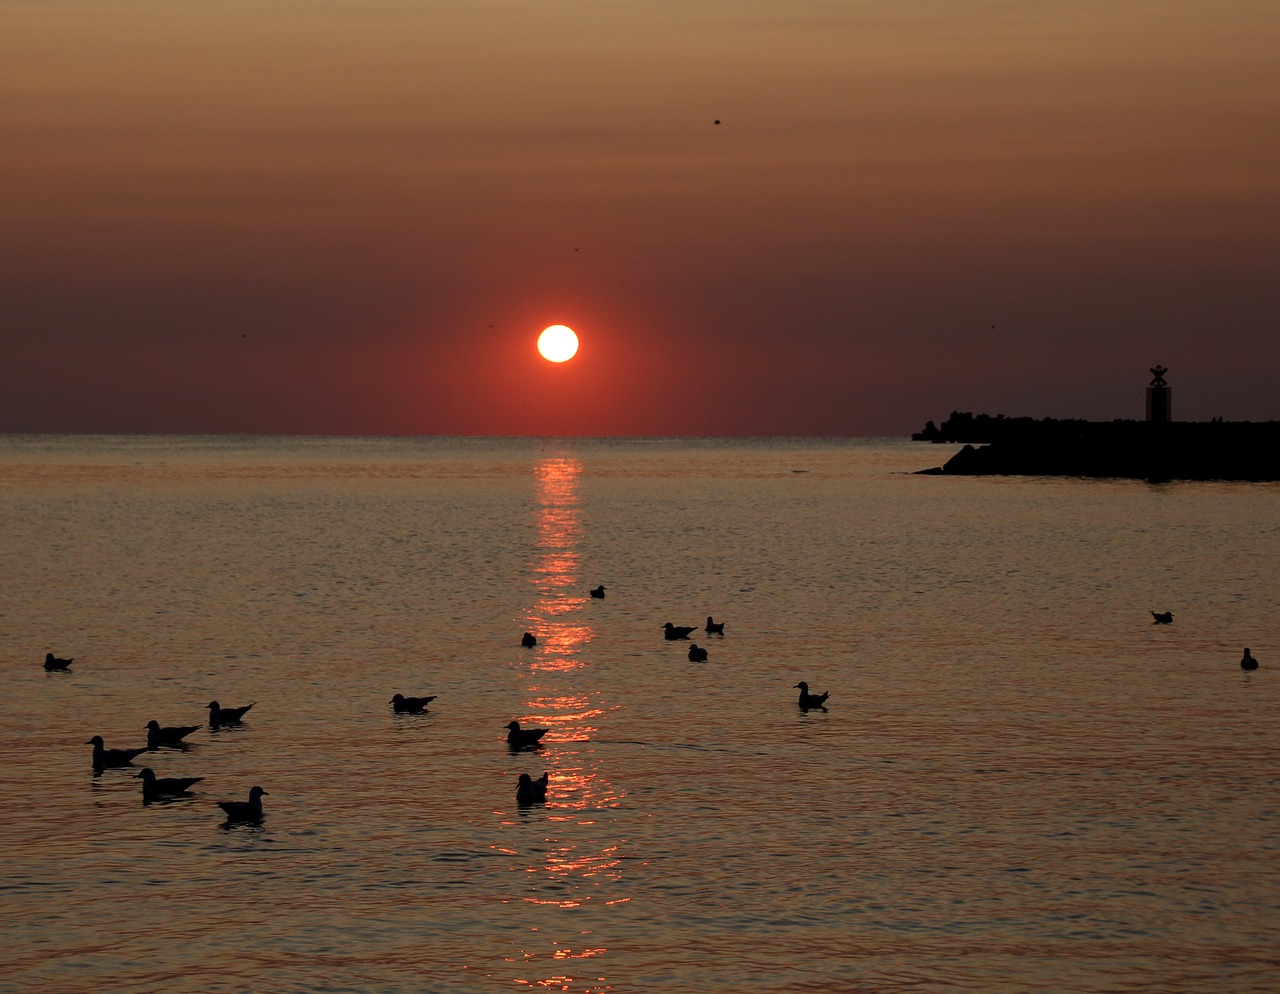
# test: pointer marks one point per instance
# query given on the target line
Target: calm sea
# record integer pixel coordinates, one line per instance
(1020, 782)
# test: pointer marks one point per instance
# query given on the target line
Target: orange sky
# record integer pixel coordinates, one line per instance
(355, 218)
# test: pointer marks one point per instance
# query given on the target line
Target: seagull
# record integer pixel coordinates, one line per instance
(250, 810)
(154, 787)
(218, 715)
(697, 655)
(528, 640)
(52, 662)
(1247, 662)
(673, 632)
(808, 700)
(1162, 619)
(171, 736)
(714, 627)
(530, 791)
(411, 705)
(102, 758)
(524, 738)
(597, 592)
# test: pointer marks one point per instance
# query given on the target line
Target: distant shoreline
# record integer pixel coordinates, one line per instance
(1139, 450)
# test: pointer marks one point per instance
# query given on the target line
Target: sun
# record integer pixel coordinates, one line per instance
(558, 343)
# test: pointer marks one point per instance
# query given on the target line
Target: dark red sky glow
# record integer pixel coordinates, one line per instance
(356, 218)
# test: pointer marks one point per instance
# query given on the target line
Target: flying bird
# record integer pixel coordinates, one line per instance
(218, 715)
(1165, 618)
(250, 810)
(524, 738)
(104, 758)
(808, 700)
(52, 662)
(530, 791)
(528, 640)
(1247, 662)
(598, 592)
(154, 787)
(410, 705)
(673, 632)
(697, 655)
(714, 627)
(158, 736)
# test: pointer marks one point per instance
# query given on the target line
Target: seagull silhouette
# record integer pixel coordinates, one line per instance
(154, 787)
(673, 632)
(250, 810)
(598, 592)
(218, 715)
(808, 700)
(104, 758)
(410, 705)
(697, 655)
(530, 791)
(524, 738)
(714, 627)
(158, 736)
(52, 662)
(528, 640)
(1165, 618)
(1247, 662)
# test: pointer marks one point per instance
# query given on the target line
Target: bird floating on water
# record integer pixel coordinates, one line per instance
(523, 738)
(53, 663)
(673, 632)
(410, 705)
(714, 627)
(1247, 662)
(528, 640)
(250, 810)
(104, 758)
(808, 700)
(531, 791)
(1164, 618)
(597, 592)
(218, 715)
(696, 654)
(172, 735)
(154, 787)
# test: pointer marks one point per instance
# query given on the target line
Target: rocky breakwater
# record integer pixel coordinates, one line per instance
(1176, 450)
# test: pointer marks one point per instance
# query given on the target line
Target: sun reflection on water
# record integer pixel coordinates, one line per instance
(564, 852)
(555, 570)
(563, 956)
